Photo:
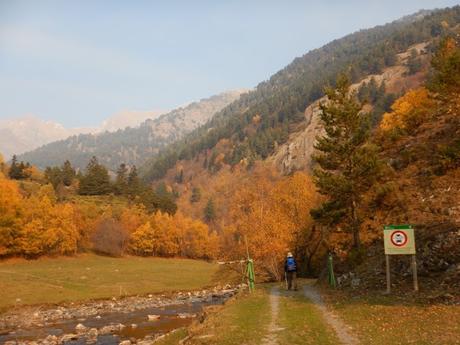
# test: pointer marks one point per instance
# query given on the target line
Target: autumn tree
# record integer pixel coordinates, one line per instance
(347, 163)
(110, 238)
(49, 228)
(143, 240)
(408, 112)
(10, 216)
(3, 166)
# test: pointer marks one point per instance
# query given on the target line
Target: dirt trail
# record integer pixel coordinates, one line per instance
(340, 328)
(271, 337)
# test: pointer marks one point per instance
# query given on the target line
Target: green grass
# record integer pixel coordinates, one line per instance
(383, 320)
(302, 322)
(242, 321)
(173, 338)
(246, 320)
(88, 276)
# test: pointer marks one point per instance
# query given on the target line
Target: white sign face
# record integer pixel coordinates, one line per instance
(399, 240)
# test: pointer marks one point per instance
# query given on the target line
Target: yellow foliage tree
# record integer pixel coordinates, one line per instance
(48, 228)
(10, 216)
(3, 167)
(272, 218)
(409, 111)
(143, 240)
(166, 235)
(133, 217)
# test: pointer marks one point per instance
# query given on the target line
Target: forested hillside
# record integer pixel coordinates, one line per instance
(380, 146)
(247, 196)
(131, 146)
(263, 119)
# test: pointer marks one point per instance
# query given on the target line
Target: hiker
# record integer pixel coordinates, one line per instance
(290, 271)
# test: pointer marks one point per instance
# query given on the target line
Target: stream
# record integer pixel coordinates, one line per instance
(139, 325)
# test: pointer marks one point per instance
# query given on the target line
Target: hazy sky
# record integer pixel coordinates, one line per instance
(78, 62)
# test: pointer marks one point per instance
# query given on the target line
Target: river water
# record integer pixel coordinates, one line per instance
(137, 324)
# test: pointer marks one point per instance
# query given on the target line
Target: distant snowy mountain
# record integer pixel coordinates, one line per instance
(26, 133)
(18, 135)
(132, 144)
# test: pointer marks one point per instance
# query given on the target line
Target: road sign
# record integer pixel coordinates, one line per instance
(399, 239)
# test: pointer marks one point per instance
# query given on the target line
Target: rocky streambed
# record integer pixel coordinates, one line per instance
(128, 320)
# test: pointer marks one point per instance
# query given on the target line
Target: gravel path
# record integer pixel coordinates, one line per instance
(271, 337)
(341, 329)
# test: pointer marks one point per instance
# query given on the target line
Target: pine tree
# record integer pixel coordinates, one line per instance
(121, 181)
(196, 194)
(134, 184)
(68, 173)
(96, 181)
(53, 175)
(15, 172)
(210, 211)
(165, 199)
(348, 163)
(414, 64)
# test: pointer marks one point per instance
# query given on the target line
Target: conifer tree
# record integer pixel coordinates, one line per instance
(96, 180)
(53, 175)
(414, 64)
(68, 173)
(15, 172)
(210, 211)
(121, 181)
(348, 163)
(196, 194)
(134, 184)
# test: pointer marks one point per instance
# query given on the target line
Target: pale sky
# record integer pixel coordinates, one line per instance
(78, 62)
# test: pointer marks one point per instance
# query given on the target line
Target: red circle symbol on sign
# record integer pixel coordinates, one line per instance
(398, 238)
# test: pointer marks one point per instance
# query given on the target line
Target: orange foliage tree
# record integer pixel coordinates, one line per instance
(48, 228)
(409, 111)
(271, 218)
(10, 213)
(167, 236)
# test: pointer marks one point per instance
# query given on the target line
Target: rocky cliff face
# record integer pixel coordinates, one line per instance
(182, 120)
(296, 154)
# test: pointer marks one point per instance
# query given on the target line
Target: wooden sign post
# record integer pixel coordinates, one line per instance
(399, 240)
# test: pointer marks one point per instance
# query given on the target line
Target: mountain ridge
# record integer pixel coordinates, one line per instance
(130, 145)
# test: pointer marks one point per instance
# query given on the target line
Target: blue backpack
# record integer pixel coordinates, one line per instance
(291, 264)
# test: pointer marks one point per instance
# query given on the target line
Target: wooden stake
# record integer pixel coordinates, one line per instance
(387, 260)
(414, 273)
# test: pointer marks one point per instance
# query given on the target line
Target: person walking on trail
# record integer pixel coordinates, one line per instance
(290, 271)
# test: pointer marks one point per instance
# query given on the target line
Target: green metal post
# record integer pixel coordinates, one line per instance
(251, 275)
(330, 271)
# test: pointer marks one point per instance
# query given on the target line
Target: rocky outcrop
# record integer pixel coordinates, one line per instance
(296, 154)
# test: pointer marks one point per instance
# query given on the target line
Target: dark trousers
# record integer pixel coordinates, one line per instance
(291, 280)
